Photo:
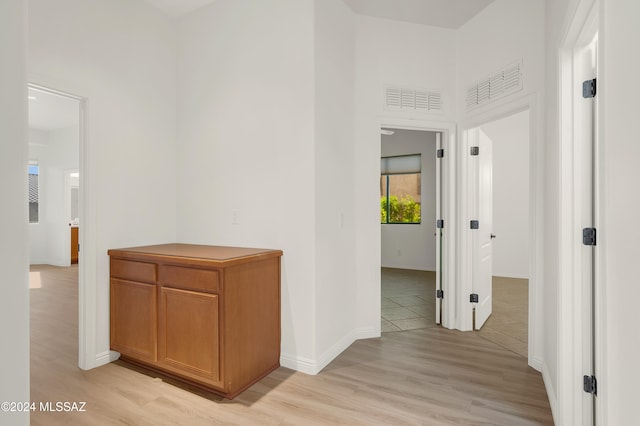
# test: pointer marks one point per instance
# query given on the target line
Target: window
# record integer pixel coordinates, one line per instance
(34, 177)
(400, 189)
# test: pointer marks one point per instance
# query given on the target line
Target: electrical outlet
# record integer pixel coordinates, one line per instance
(399, 252)
(235, 217)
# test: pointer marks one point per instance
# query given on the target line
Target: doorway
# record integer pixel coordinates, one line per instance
(54, 163)
(499, 191)
(57, 141)
(408, 215)
(445, 225)
(533, 225)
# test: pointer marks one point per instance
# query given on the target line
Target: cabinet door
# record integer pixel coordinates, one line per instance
(189, 334)
(74, 245)
(134, 319)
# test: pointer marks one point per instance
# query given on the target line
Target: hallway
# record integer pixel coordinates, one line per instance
(429, 376)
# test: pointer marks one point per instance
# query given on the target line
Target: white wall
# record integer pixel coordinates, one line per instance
(246, 144)
(390, 53)
(620, 234)
(413, 246)
(120, 56)
(335, 222)
(14, 287)
(38, 250)
(49, 239)
(506, 31)
(510, 137)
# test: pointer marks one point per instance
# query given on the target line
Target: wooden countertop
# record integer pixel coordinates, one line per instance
(196, 254)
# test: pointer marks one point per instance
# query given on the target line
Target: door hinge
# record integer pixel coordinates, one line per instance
(590, 385)
(589, 89)
(589, 236)
(440, 153)
(475, 224)
(475, 150)
(440, 223)
(473, 298)
(439, 294)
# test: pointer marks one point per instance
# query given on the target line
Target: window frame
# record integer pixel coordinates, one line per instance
(387, 174)
(37, 165)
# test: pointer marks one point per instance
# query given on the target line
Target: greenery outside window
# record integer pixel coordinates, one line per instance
(400, 189)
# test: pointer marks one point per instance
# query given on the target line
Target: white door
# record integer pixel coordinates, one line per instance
(483, 235)
(439, 227)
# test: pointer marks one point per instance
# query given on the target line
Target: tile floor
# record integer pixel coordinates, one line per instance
(407, 299)
(408, 303)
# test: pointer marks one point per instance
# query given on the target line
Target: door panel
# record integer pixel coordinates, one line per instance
(133, 319)
(189, 334)
(483, 241)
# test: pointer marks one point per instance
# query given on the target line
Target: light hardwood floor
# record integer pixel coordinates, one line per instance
(421, 377)
(408, 303)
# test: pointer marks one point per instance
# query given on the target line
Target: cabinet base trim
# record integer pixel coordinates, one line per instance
(165, 375)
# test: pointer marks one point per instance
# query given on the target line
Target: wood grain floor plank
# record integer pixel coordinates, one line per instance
(430, 376)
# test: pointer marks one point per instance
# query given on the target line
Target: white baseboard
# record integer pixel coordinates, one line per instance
(106, 357)
(367, 333)
(410, 267)
(508, 275)
(51, 262)
(536, 364)
(551, 394)
(297, 363)
(315, 366)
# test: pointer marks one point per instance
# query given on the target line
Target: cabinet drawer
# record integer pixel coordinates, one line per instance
(189, 278)
(134, 271)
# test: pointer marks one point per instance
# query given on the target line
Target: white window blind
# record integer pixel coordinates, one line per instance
(400, 165)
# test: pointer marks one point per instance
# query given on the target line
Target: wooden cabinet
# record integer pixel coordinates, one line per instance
(74, 244)
(206, 315)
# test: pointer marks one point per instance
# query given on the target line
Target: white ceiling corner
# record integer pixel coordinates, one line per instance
(178, 8)
(439, 13)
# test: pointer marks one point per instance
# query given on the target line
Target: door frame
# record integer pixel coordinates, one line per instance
(465, 241)
(584, 22)
(448, 131)
(87, 299)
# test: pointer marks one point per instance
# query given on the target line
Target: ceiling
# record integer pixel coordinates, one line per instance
(177, 8)
(49, 112)
(438, 13)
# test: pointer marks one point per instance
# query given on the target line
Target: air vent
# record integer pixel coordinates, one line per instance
(403, 99)
(501, 83)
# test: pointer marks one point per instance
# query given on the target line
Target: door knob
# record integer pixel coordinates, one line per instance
(492, 236)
